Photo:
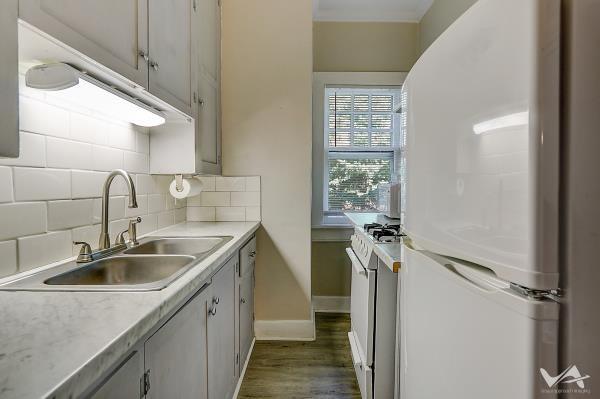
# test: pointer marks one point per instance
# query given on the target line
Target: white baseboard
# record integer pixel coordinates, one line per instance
(243, 373)
(331, 304)
(285, 330)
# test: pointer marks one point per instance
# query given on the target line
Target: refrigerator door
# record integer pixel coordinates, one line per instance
(466, 335)
(482, 116)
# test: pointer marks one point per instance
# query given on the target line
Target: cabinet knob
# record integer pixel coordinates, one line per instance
(216, 300)
(252, 254)
(201, 101)
(212, 311)
(154, 65)
(144, 55)
(243, 300)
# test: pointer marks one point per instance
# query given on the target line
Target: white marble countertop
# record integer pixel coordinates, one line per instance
(360, 219)
(57, 344)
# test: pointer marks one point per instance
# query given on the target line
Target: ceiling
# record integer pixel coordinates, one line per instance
(370, 10)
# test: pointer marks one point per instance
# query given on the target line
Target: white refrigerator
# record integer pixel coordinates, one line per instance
(480, 298)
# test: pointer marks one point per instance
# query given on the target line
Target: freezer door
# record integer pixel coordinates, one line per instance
(466, 335)
(482, 117)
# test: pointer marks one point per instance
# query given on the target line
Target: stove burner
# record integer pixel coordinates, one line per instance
(385, 234)
(369, 227)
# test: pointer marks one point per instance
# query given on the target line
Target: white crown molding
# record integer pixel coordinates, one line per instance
(373, 14)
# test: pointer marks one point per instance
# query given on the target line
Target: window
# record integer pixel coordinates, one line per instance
(361, 138)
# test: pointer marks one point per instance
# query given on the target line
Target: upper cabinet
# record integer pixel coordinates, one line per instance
(208, 116)
(9, 85)
(171, 51)
(111, 32)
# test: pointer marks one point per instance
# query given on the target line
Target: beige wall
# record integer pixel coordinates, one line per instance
(440, 16)
(364, 46)
(331, 269)
(266, 99)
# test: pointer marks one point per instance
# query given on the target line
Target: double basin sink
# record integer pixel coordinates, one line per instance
(152, 265)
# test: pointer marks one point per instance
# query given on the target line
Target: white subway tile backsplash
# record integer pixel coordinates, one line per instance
(208, 182)
(156, 203)
(68, 154)
(230, 183)
(123, 137)
(116, 209)
(201, 214)
(135, 162)
(106, 159)
(37, 184)
(68, 214)
(146, 184)
(245, 198)
(39, 117)
(253, 183)
(230, 214)
(142, 142)
(215, 199)
(32, 151)
(253, 213)
(6, 185)
(180, 215)
(21, 219)
(39, 250)
(88, 129)
(148, 224)
(87, 184)
(8, 258)
(165, 219)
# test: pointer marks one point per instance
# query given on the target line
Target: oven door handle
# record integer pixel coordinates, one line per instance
(358, 267)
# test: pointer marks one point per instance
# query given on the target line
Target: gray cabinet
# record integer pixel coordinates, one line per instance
(176, 355)
(222, 372)
(9, 85)
(208, 106)
(125, 382)
(246, 299)
(114, 33)
(171, 51)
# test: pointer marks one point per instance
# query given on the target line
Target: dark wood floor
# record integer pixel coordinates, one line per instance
(319, 369)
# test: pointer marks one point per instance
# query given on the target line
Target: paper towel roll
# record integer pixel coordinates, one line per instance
(190, 188)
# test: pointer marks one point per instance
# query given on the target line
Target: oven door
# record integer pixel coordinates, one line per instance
(362, 308)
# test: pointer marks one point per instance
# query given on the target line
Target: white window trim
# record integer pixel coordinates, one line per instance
(321, 80)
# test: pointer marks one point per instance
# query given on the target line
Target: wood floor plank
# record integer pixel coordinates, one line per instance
(293, 370)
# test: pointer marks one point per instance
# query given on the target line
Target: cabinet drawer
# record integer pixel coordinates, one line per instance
(247, 257)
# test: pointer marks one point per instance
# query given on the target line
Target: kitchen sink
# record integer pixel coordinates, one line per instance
(179, 246)
(123, 270)
(152, 265)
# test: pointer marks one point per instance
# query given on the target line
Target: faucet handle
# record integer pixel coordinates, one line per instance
(85, 253)
(132, 230)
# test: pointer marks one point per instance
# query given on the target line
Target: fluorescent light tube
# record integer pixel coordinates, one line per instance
(511, 120)
(75, 86)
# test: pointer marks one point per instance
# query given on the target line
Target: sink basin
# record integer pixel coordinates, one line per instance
(123, 270)
(179, 246)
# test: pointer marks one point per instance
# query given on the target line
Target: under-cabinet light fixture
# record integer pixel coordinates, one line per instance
(74, 85)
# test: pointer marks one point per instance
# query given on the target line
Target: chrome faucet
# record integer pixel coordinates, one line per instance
(104, 242)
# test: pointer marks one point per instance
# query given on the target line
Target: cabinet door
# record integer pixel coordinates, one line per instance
(112, 32)
(222, 373)
(171, 52)
(9, 86)
(125, 382)
(176, 354)
(246, 315)
(208, 115)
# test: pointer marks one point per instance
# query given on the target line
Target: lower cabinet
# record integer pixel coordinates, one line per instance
(194, 354)
(176, 354)
(126, 381)
(222, 371)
